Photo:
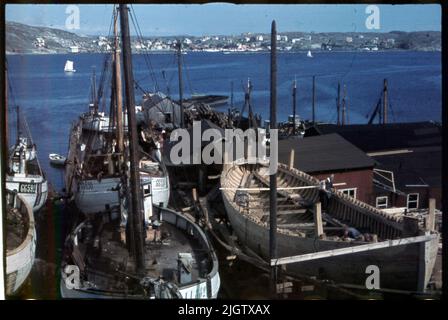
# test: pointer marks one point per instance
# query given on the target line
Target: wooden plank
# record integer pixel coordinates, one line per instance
(282, 213)
(267, 189)
(430, 218)
(354, 249)
(319, 228)
(296, 225)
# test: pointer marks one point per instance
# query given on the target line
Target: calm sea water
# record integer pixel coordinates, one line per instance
(52, 100)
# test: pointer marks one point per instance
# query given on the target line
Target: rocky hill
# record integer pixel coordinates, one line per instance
(21, 38)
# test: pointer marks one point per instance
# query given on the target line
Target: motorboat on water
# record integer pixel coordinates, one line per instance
(57, 159)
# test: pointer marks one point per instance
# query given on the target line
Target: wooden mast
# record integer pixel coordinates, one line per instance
(252, 122)
(6, 141)
(385, 102)
(118, 89)
(179, 67)
(19, 132)
(338, 104)
(95, 102)
(231, 94)
(343, 106)
(273, 177)
(294, 105)
(135, 216)
(314, 99)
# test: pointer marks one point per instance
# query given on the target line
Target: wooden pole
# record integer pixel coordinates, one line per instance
(118, 88)
(430, 219)
(179, 68)
(95, 102)
(19, 131)
(231, 94)
(135, 217)
(291, 159)
(314, 99)
(353, 249)
(338, 105)
(273, 177)
(343, 106)
(6, 142)
(294, 105)
(318, 226)
(385, 102)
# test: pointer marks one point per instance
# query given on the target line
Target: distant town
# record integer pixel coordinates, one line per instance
(24, 39)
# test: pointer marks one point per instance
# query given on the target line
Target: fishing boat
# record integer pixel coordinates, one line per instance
(24, 174)
(181, 262)
(68, 68)
(141, 251)
(346, 223)
(93, 170)
(309, 55)
(20, 241)
(57, 159)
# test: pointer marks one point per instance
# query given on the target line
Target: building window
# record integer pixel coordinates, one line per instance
(381, 202)
(167, 117)
(350, 192)
(412, 202)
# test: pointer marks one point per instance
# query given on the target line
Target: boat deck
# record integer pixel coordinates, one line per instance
(248, 189)
(110, 262)
(16, 228)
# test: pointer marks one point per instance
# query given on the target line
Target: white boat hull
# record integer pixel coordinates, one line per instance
(36, 189)
(93, 196)
(19, 261)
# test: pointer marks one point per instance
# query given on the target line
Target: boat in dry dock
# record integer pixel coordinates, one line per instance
(25, 174)
(20, 241)
(309, 223)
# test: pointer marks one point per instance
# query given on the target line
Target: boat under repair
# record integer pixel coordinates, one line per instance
(405, 252)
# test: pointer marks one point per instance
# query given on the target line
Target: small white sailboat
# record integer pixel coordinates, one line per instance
(69, 66)
(57, 159)
(309, 55)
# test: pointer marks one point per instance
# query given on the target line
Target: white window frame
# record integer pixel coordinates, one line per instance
(347, 190)
(382, 206)
(417, 201)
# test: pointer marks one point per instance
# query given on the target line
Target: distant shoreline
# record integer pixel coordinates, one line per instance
(224, 52)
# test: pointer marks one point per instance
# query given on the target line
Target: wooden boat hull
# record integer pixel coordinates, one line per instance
(19, 261)
(407, 267)
(206, 287)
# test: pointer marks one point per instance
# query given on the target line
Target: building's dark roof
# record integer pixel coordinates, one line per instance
(205, 125)
(381, 137)
(323, 153)
(423, 166)
(158, 100)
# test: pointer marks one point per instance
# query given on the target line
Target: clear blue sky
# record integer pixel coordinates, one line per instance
(220, 18)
